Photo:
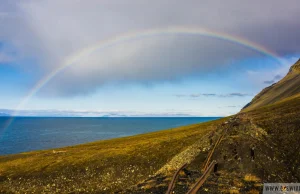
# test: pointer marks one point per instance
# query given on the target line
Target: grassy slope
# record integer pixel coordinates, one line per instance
(288, 86)
(105, 165)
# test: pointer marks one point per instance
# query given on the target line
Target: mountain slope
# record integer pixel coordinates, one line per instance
(288, 86)
(258, 146)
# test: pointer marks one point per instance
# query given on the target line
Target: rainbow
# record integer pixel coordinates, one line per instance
(121, 39)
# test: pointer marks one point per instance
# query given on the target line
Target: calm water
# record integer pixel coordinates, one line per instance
(30, 133)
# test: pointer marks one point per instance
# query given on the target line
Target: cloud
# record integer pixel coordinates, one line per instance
(87, 113)
(209, 95)
(278, 77)
(274, 80)
(237, 94)
(5, 58)
(269, 82)
(49, 31)
(231, 106)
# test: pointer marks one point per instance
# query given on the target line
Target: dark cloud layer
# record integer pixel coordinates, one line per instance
(50, 31)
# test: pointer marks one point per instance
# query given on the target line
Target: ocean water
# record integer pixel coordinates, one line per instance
(36, 133)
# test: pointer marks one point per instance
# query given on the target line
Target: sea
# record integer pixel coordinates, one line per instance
(23, 134)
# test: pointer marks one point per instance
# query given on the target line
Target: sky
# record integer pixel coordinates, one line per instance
(142, 58)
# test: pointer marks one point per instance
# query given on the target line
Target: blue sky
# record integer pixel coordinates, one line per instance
(165, 75)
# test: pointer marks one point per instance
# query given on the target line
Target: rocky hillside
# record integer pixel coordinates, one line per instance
(259, 146)
(288, 86)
